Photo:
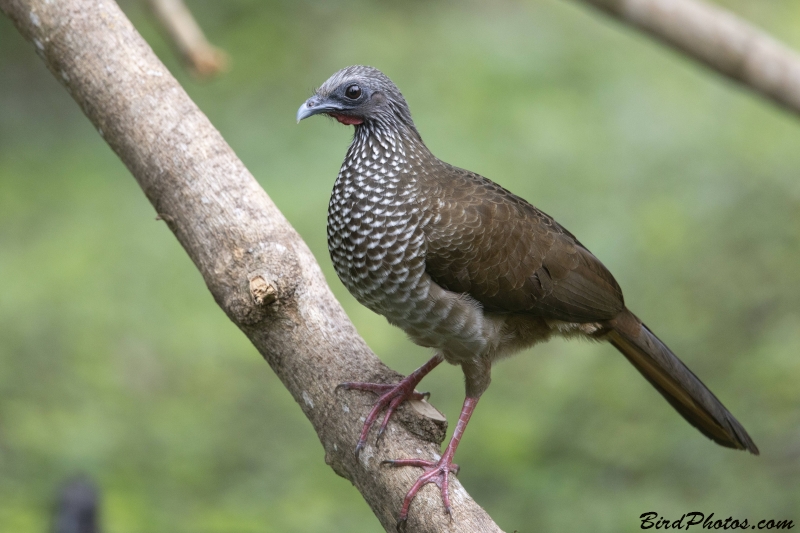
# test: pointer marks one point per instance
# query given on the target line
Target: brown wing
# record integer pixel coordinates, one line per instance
(486, 242)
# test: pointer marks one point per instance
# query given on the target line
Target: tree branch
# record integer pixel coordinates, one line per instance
(255, 265)
(720, 40)
(203, 58)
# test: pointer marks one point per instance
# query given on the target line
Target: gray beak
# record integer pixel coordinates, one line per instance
(314, 106)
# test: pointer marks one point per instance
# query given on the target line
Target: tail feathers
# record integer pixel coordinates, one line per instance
(681, 388)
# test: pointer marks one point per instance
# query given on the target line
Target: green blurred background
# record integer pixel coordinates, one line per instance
(116, 362)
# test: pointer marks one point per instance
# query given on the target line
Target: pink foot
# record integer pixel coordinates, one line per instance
(434, 472)
(390, 396)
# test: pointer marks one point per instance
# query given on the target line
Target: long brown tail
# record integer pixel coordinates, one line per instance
(681, 388)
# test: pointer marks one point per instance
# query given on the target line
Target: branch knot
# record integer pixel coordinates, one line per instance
(263, 293)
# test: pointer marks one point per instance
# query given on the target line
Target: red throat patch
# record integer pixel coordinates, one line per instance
(347, 120)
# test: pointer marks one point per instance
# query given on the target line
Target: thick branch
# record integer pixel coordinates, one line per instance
(255, 265)
(718, 39)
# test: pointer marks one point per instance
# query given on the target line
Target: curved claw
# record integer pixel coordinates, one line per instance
(395, 403)
(390, 397)
(390, 400)
(436, 471)
(382, 429)
(401, 524)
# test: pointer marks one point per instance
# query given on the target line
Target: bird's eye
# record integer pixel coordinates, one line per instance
(353, 92)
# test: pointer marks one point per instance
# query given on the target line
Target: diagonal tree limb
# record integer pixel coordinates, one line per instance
(718, 39)
(255, 265)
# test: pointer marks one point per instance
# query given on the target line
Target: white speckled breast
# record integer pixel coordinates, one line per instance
(377, 244)
(373, 235)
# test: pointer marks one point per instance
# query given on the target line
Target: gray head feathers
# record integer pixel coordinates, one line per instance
(372, 98)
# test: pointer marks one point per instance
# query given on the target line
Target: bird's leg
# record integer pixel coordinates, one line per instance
(439, 471)
(390, 396)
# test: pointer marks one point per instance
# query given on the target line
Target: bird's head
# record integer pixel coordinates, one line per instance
(357, 95)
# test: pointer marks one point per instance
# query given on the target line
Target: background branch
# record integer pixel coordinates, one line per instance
(720, 40)
(203, 59)
(256, 266)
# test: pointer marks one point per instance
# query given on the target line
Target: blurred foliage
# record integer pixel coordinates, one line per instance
(115, 361)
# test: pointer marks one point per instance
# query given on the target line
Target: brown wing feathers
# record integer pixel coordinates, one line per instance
(513, 258)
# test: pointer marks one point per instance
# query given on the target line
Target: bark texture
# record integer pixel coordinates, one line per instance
(718, 39)
(255, 265)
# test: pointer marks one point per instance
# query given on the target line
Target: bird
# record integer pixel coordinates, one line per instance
(470, 270)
